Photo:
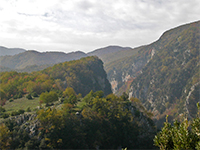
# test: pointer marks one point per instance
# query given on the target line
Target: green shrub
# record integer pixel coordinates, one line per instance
(28, 109)
(14, 113)
(2, 109)
(49, 97)
(11, 100)
(21, 111)
(5, 115)
(20, 95)
(29, 97)
(180, 135)
(34, 94)
(15, 97)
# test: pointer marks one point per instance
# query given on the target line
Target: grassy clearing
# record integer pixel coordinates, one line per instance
(22, 103)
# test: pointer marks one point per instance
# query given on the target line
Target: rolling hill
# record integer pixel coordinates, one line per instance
(29, 61)
(30, 58)
(10, 51)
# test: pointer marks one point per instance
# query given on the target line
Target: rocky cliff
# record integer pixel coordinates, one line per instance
(163, 73)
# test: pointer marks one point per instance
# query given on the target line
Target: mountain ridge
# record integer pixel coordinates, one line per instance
(33, 57)
(10, 51)
(170, 63)
(30, 59)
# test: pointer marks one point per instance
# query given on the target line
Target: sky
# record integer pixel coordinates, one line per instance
(86, 25)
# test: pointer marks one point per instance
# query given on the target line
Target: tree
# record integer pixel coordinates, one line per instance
(72, 100)
(34, 94)
(29, 97)
(2, 109)
(70, 96)
(4, 137)
(179, 135)
(69, 92)
(48, 97)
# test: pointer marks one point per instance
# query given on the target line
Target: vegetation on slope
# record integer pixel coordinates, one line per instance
(82, 75)
(182, 134)
(102, 122)
(167, 78)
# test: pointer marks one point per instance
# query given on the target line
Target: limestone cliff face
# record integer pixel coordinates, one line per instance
(172, 73)
(162, 73)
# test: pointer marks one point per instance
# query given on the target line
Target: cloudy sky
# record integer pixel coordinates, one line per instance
(71, 25)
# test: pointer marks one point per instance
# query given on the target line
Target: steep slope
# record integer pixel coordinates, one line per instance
(82, 75)
(10, 51)
(30, 58)
(169, 82)
(126, 69)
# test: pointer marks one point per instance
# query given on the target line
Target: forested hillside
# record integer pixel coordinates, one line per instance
(98, 120)
(169, 81)
(91, 122)
(122, 71)
(164, 74)
(82, 75)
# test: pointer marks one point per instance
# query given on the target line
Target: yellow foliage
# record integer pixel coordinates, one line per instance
(4, 137)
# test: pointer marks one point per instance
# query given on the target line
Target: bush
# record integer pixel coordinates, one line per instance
(49, 97)
(15, 97)
(14, 113)
(20, 95)
(21, 111)
(28, 109)
(2, 109)
(5, 115)
(11, 100)
(34, 94)
(180, 135)
(29, 97)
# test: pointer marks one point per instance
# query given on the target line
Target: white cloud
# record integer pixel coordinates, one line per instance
(89, 24)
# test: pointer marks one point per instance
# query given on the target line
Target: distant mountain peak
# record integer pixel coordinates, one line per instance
(107, 50)
(32, 57)
(10, 51)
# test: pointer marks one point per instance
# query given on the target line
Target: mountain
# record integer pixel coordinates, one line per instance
(107, 50)
(111, 53)
(29, 61)
(164, 75)
(82, 75)
(29, 58)
(170, 77)
(10, 51)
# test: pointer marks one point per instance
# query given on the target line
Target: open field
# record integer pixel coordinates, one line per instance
(22, 103)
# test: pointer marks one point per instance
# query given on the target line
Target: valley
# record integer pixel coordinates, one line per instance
(110, 97)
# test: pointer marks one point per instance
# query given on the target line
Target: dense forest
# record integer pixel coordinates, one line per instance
(84, 123)
(82, 75)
